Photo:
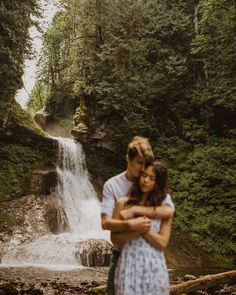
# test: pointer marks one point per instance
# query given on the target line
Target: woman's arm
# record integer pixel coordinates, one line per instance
(158, 212)
(120, 238)
(116, 225)
(159, 240)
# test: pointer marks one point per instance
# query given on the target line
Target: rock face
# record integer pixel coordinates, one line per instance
(32, 281)
(94, 252)
(56, 219)
(47, 180)
(27, 221)
(7, 289)
(27, 218)
(40, 119)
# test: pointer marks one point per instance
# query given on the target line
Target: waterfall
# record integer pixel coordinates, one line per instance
(81, 212)
(77, 195)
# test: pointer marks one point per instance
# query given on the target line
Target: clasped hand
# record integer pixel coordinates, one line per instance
(128, 213)
(141, 224)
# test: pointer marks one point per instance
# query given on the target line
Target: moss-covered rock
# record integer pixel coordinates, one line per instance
(23, 148)
(17, 165)
(19, 127)
(8, 221)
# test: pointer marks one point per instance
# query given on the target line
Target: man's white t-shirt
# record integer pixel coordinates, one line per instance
(117, 187)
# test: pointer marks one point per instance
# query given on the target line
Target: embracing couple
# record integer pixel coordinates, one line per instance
(138, 209)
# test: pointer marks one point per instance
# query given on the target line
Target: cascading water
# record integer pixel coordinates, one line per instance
(77, 195)
(81, 212)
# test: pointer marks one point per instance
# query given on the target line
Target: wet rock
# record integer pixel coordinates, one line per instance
(28, 211)
(225, 290)
(57, 220)
(94, 252)
(31, 291)
(78, 136)
(7, 289)
(48, 181)
(100, 290)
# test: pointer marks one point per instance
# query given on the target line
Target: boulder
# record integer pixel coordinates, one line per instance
(78, 135)
(188, 277)
(57, 220)
(48, 181)
(94, 252)
(100, 290)
(7, 289)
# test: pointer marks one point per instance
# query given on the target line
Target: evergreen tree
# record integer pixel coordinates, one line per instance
(15, 20)
(214, 53)
(163, 69)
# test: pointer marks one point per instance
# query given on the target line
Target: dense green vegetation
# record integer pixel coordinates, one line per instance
(7, 221)
(22, 144)
(14, 47)
(163, 69)
(17, 163)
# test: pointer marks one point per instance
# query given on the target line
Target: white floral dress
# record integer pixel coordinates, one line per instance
(141, 268)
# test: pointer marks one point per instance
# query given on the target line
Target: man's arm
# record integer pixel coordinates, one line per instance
(111, 224)
(115, 224)
(140, 225)
(164, 211)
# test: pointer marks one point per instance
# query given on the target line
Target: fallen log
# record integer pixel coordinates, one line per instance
(205, 282)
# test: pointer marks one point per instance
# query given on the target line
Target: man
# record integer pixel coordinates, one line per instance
(138, 152)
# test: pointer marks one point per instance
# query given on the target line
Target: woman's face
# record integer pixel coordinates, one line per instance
(147, 180)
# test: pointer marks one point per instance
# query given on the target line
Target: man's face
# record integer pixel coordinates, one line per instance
(135, 166)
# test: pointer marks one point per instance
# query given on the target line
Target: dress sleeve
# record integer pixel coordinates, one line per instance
(168, 201)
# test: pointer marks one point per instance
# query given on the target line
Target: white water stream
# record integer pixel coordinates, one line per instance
(82, 209)
(78, 197)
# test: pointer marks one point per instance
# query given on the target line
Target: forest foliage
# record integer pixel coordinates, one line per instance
(163, 69)
(15, 45)
(23, 145)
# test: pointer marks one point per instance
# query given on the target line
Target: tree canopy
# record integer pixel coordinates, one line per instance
(163, 69)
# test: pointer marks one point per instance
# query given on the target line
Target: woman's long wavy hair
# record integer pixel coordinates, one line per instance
(158, 194)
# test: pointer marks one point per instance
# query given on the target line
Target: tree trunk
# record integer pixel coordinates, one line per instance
(203, 283)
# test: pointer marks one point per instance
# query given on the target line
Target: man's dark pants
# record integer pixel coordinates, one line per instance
(111, 273)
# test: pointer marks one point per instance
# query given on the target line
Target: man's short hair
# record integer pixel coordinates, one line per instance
(140, 146)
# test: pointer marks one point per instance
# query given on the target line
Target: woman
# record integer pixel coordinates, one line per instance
(141, 267)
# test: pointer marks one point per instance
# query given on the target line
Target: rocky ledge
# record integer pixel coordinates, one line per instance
(41, 281)
(37, 281)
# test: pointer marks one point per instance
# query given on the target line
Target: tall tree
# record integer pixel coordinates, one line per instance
(15, 20)
(214, 53)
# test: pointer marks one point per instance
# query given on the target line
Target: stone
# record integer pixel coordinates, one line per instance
(94, 252)
(8, 290)
(100, 290)
(188, 277)
(56, 219)
(78, 135)
(48, 181)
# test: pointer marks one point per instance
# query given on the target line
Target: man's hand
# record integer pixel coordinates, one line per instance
(128, 213)
(140, 224)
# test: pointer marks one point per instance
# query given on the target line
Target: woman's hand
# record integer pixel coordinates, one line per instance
(145, 234)
(128, 213)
